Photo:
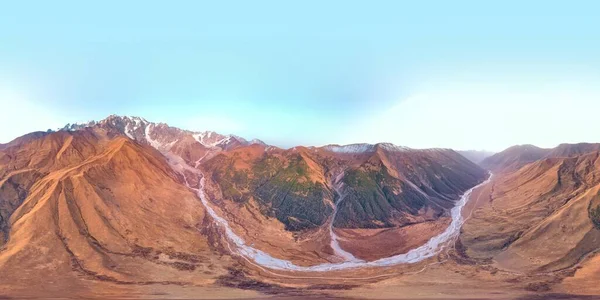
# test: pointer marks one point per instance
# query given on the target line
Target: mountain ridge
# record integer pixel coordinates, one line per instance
(129, 124)
(127, 202)
(294, 190)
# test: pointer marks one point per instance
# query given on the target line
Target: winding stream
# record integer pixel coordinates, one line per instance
(429, 249)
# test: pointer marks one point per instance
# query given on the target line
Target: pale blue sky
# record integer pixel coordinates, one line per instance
(460, 74)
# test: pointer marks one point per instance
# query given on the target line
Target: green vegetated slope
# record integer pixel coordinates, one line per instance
(380, 188)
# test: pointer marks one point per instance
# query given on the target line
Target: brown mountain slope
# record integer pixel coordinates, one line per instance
(23, 139)
(514, 158)
(539, 217)
(100, 208)
(570, 150)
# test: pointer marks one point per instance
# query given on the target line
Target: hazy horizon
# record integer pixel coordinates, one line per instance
(463, 75)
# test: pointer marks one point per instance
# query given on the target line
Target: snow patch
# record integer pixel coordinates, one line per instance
(206, 139)
(393, 148)
(352, 148)
(127, 132)
(149, 139)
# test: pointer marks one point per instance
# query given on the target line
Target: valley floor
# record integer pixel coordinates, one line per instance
(443, 277)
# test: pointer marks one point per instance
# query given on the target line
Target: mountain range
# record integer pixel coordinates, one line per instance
(124, 205)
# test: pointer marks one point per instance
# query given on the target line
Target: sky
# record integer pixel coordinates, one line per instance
(456, 74)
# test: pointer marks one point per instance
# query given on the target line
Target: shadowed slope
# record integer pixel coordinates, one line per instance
(397, 188)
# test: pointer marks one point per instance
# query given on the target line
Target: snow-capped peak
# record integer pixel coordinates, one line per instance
(210, 138)
(257, 142)
(393, 148)
(351, 148)
(160, 135)
(364, 148)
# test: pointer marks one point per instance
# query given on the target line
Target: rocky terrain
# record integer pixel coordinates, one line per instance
(124, 206)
